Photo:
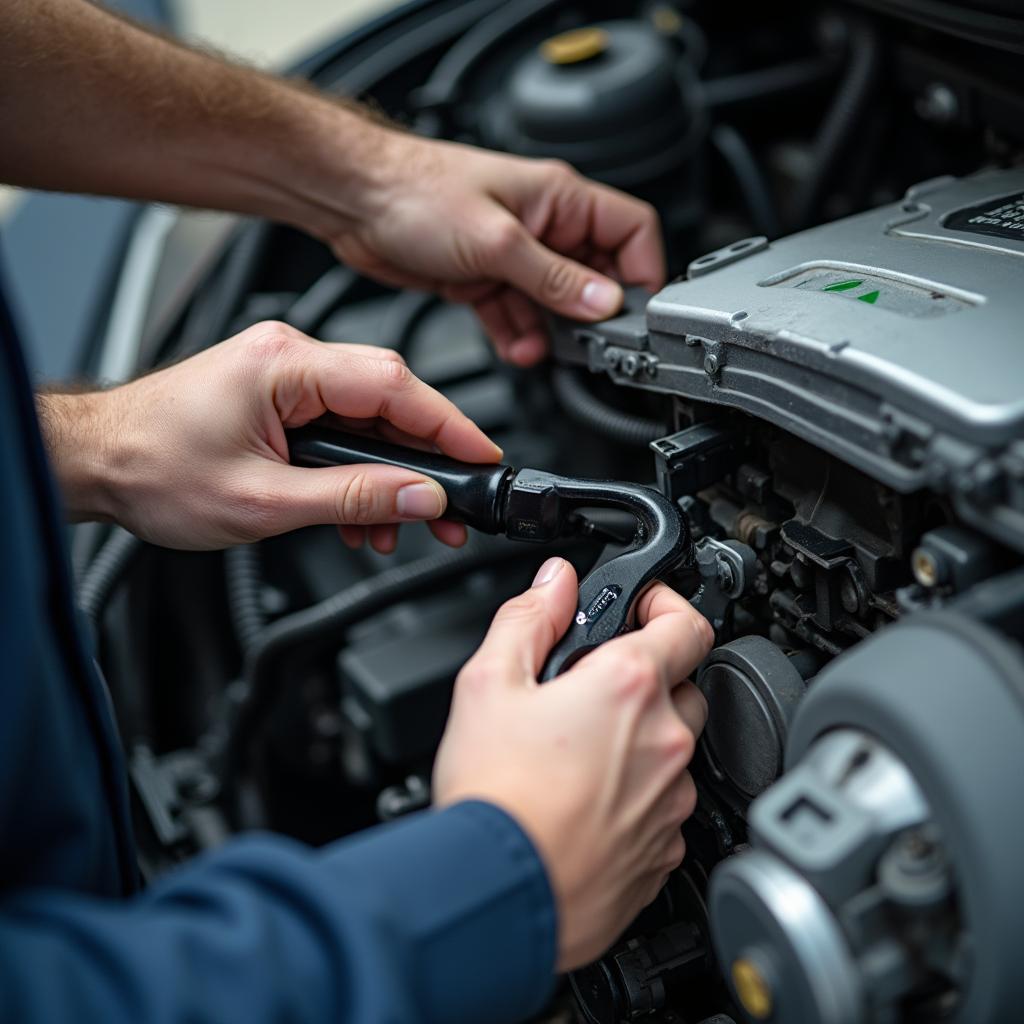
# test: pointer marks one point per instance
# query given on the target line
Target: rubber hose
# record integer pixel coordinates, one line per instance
(326, 621)
(215, 309)
(374, 35)
(475, 46)
(768, 85)
(844, 117)
(404, 315)
(407, 47)
(106, 571)
(752, 184)
(86, 540)
(312, 308)
(243, 577)
(590, 411)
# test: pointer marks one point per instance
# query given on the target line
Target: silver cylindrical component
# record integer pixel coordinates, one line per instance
(775, 910)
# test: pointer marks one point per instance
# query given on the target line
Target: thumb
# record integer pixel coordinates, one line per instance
(348, 495)
(557, 282)
(528, 626)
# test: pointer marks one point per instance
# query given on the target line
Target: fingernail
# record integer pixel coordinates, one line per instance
(548, 571)
(602, 296)
(419, 501)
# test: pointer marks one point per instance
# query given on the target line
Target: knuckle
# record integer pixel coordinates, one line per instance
(529, 612)
(559, 280)
(559, 170)
(675, 851)
(648, 212)
(389, 355)
(355, 500)
(501, 238)
(685, 795)
(275, 327)
(479, 672)
(395, 372)
(679, 742)
(704, 632)
(523, 606)
(252, 514)
(702, 704)
(272, 339)
(636, 676)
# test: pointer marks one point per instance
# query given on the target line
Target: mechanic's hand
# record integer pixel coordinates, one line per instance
(201, 459)
(592, 764)
(504, 233)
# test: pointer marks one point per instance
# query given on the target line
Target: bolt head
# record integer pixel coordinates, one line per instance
(711, 364)
(925, 567)
(726, 578)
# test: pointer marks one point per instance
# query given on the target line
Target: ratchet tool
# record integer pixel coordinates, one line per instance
(531, 505)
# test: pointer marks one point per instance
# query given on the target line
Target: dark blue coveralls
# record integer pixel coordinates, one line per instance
(443, 917)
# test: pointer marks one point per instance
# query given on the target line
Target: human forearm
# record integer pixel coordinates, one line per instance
(92, 103)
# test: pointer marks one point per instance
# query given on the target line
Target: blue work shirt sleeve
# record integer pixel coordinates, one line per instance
(443, 917)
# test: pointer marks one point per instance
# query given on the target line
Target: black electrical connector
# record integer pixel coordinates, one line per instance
(695, 458)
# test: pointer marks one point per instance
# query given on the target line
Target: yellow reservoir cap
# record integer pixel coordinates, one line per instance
(576, 46)
(752, 989)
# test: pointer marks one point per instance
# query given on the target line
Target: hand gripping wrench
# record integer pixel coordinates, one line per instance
(534, 506)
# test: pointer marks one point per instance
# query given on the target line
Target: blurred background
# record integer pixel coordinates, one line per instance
(264, 32)
(269, 32)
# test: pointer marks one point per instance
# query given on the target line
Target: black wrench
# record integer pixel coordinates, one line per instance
(531, 505)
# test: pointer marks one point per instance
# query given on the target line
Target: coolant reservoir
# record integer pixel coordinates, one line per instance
(615, 99)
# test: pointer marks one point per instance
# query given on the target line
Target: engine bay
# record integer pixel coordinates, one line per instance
(831, 392)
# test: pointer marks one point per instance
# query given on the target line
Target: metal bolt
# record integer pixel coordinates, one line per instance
(711, 364)
(916, 846)
(925, 567)
(726, 577)
(913, 872)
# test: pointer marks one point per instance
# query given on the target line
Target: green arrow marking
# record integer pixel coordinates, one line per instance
(843, 286)
(871, 297)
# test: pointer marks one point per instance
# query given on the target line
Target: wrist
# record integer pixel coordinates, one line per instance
(81, 433)
(336, 161)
